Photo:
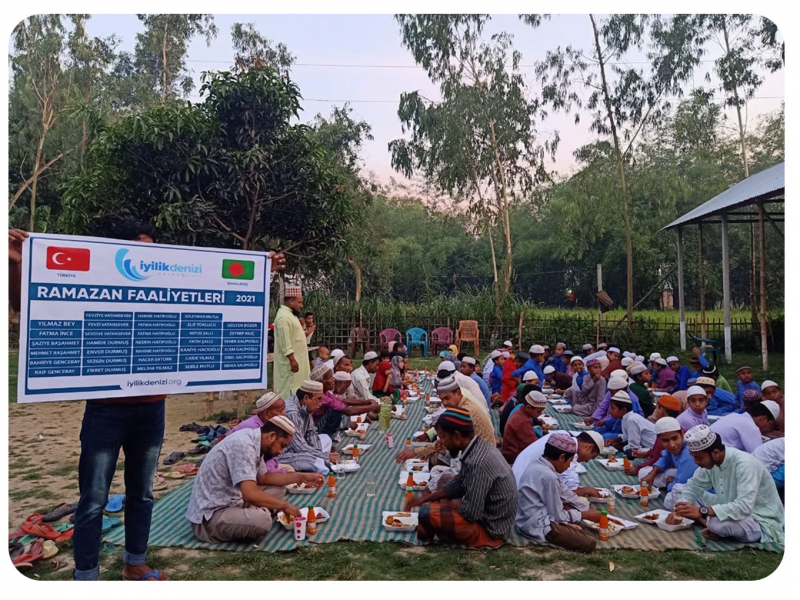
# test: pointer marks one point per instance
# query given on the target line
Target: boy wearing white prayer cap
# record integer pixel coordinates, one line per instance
(637, 432)
(676, 465)
(771, 391)
(744, 431)
(745, 505)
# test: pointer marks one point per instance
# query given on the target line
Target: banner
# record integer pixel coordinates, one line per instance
(104, 318)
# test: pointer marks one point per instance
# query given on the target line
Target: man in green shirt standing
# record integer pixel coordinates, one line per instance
(291, 351)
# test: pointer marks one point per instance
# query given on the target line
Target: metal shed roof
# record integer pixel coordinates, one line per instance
(761, 186)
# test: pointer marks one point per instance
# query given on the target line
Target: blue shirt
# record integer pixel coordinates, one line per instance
(531, 365)
(682, 377)
(484, 388)
(497, 379)
(703, 361)
(722, 403)
(741, 388)
(557, 363)
(683, 463)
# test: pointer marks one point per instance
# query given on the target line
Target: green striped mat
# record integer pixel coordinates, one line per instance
(358, 518)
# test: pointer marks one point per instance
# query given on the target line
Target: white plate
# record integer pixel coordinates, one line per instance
(410, 522)
(659, 394)
(548, 420)
(604, 500)
(609, 451)
(304, 512)
(617, 466)
(413, 462)
(400, 410)
(582, 426)
(557, 401)
(564, 408)
(613, 528)
(654, 492)
(347, 467)
(418, 478)
(660, 522)
(553, 396)
(294, 488)
(361, 448)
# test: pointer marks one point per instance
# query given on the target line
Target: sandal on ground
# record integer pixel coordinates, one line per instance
(154, 574)
(115, 503)
(173, 458)
(42, 530)
(174, 475)
(66, 535)
(200, 449)
(109, 523)
(49, 549)
(62, 510)
(190, 469)
(190, 427)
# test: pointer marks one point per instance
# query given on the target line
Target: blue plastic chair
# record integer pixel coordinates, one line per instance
(417, 336)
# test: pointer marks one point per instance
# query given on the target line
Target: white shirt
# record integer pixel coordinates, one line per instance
(533, 453)
(361, 384)
(738, 430)
(638, 432)
(771, 453)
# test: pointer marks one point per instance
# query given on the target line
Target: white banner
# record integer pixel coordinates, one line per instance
(104, 318)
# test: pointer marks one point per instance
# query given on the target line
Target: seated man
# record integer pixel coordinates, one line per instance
(744, 431)
(514, 402)
(468, 365)
(773, 455)
(676, 464)
(523, 426)
(542, 514)
(771, 391)
(308, 451)
(637, 432)
(329, 416)
(695, 413)
(469, 387)
(589, 445)
(268, 406)
(720, 402)
(362, 386)
(744, 505)
(558, 380)
(227, 503)
(477, 507)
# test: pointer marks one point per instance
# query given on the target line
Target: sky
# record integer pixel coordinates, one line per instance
(380, 69)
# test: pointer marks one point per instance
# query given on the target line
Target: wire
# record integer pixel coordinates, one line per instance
(368, 66)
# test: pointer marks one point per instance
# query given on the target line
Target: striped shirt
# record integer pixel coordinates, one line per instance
(486, 487)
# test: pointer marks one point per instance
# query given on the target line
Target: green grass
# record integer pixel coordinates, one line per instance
(371, 561)
(13, 365)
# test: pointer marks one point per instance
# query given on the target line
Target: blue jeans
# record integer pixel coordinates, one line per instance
(139, 430)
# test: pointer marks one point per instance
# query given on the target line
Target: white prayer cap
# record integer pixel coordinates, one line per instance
(536, 349)
(695, 390)
(593, 355)
(266, 401)
(505, 354)
(597, 439)
(311, 387)
(661, 361)
(329, 364)
(620, 373)
(536, 399)
(508, 344)
(654, 356)
(448, 384)
(284, 423)
(549, 369)
(773, 408)
(469, 360)
(614, 349)
(665, 424)
(336, 355)
(447, 366)
(495, 354)
(602, 345)
(561, 345)
(706, 381)
(587, 346)
(639, 358)
(627, 354)
(530, 376)
(371, 355)
(291, 291)
(601, 353)
(617, 383)
(637, 368)
(622, 396)
(318, 373)
(576, 358)
(699, 438)
(342, 376)
(768, 383)
(627, 361)
(672, 359)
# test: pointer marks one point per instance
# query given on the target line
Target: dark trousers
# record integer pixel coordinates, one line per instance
(330, 422)
(139, 431)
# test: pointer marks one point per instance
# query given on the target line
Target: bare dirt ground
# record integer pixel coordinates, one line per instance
(44, 447)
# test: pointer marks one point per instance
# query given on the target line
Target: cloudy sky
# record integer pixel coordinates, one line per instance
(359, 58)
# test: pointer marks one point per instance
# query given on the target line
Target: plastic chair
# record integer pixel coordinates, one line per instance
(708, 346)
(441, 336)
(359, 336)
(468, 332)
(389, 335)
(416, 336)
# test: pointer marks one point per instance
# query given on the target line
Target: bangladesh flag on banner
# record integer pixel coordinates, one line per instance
(238, 269)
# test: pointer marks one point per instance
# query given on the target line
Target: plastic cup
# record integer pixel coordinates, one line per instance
(299, 528)
(371, 485)
(390, 440)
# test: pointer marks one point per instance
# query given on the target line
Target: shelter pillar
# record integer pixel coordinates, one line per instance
(762, 286)
(726, 287)
(681, 303)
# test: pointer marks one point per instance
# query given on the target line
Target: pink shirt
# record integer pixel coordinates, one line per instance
(329, 401)
(255, 423)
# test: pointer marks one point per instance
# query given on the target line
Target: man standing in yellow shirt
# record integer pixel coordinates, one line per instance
(291, 365)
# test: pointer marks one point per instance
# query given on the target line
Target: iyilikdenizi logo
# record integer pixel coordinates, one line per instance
(153, 267)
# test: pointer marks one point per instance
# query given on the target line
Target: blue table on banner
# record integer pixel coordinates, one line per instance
(105, 318)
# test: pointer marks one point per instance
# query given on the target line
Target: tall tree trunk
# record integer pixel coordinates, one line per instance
(621, 167)
(357, 272)
(35, 182)
(164, 63)
(504, 214)
(476, 183)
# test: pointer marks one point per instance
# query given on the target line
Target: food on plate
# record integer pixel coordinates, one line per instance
(620, 523)
(298, 486)
(603, 493)
(417, 467)
(612, 460)
(626, 489)
(395, 522)
(673, 519)
(319, 515)
(285, 519)
(402, 514)
(651, 517)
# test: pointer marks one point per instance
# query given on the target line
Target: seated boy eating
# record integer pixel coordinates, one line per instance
(637, 432)
(676, 465)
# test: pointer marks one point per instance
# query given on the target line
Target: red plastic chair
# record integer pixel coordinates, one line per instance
(441, 336)
(359, 336)
(389, 335)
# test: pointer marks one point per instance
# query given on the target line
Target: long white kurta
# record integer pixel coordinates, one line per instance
(289, 339)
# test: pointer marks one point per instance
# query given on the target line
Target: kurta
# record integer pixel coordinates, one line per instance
(480, 421)
(780, 422)
(645, 400)
(541, 501)
(361, 384)
(487, 395)
(689, 419)
(289, 339)
(738, 431)
(518, 435)
(722, 403)
(534, 452)
(469, 384)
(586, 401)
(637, 432)
(509, 384)
(682, 376)
(305, 446)
(722, 383)
(683, 463)
(743, 488)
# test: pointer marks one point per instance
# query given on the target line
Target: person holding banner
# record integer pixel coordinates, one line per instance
(134, 424)
(291, 365)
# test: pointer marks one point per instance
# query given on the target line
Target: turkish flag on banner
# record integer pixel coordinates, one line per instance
(67, 259)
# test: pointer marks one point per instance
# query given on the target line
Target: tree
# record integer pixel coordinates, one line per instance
(161, 50)
(231, 172)
(482, 135)
(623, 100)
(251, 49)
